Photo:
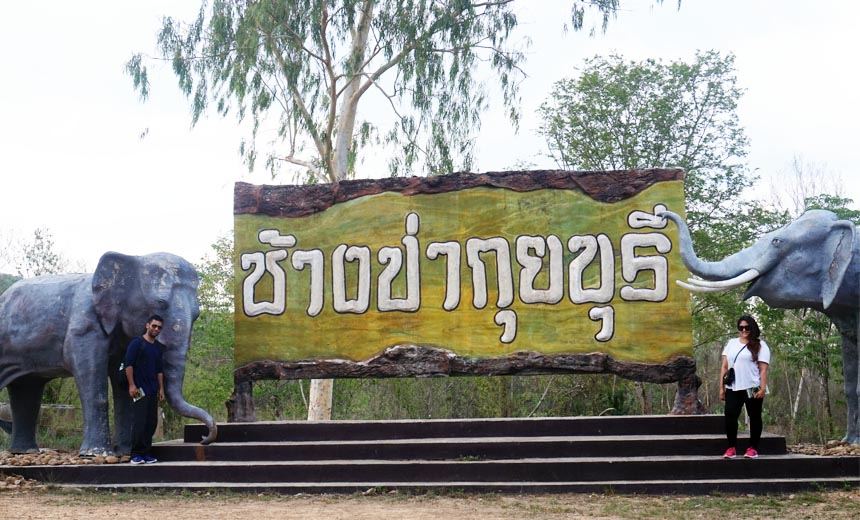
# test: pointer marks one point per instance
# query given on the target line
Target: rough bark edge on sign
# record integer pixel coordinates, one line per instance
(422, 361)
(301, 201)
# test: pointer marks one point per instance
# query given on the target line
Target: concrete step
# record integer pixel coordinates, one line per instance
(449, 428)
(476, 448)
(583, 469)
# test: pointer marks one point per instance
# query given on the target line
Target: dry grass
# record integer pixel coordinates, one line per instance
(45, 503)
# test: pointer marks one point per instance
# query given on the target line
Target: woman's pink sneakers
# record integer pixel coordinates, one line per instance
(751, 454)
(731, 453)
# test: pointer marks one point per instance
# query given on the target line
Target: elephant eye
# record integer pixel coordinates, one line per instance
(776, 242)
(162, 303)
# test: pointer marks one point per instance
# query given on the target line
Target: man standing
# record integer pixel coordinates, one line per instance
(145, 375)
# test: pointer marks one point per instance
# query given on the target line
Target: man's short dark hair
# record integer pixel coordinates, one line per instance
(155, 317)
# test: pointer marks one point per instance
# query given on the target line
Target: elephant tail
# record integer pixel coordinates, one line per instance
(6, 426)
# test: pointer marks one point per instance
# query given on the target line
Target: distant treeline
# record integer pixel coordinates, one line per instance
(6, 281)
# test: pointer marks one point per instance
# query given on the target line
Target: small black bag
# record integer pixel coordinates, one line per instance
(123, 380)
(729, 377)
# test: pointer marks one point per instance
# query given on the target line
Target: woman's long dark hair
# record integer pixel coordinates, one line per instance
(754, 342)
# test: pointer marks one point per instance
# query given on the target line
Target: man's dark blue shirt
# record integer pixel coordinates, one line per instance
(145, 357)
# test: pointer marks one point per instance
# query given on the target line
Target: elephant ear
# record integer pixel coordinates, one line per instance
(838, 247)
(112, 283)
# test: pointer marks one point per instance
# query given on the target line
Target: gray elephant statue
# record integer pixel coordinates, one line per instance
(80, 325)
(813, 262)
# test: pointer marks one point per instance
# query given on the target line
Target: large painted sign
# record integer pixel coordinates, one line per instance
(513, 272)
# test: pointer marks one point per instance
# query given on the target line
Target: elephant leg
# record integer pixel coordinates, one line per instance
(122, 419)
(25, 398)
(851, 370)
(92, 388)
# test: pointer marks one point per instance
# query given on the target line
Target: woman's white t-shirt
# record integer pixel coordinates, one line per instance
(746, 371)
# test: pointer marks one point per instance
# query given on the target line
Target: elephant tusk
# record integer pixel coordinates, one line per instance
(745, 277)
(696, 288)
(720, 285)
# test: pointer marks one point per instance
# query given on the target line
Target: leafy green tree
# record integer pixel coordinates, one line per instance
(619, 114)
(304, 66)
(215, 291)
(809, 345)
(6, 281)
(39, 257)
(836, 204)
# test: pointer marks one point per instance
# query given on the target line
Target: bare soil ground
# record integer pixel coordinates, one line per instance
(40, 503)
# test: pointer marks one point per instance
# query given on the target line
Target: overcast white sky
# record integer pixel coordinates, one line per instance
(72, 160)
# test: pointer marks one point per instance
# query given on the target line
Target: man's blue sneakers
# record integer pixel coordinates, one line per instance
(149, 460)
(137, 460)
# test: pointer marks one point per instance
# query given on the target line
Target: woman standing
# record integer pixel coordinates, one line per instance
(750, 358)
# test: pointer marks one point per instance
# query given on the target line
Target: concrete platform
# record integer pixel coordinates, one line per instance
(638, 454)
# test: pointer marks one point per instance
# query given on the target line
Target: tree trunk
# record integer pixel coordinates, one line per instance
(827, 408)
(349, 99)
(240, 406)
(797, 396)
(321, 392)
(506, 408)
(687, 396)
(644, 398)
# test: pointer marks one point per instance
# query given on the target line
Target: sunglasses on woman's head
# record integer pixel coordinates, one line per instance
(744, 327)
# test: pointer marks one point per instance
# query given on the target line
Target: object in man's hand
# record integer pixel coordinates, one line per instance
(138, 394)
(752, 391)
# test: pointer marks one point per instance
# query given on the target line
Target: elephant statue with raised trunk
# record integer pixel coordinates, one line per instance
(79, 325)
(813, 262)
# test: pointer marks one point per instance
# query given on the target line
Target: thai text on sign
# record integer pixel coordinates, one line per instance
(482, 268)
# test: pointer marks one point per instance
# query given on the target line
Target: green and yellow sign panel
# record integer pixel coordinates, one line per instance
(480, 266)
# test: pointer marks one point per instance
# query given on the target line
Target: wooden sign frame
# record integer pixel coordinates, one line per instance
(283, 314)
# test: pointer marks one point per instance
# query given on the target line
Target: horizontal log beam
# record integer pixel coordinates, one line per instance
(421, 361)
(301, 201)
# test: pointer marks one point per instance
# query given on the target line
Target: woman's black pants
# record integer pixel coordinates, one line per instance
(735, 400)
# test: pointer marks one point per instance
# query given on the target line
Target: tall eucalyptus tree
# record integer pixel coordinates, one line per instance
(305, 67)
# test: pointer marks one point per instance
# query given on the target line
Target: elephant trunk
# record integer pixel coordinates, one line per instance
(728, 268)
(174, 375)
